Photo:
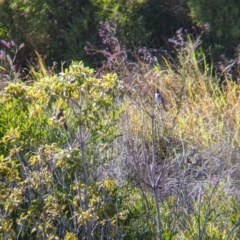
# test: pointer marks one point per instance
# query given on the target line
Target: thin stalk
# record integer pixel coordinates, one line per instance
(158, 216)
(154, 183)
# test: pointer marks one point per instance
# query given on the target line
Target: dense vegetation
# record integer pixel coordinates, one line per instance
(86, 152)
(59, 30)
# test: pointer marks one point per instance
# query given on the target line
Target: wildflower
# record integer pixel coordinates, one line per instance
(12, 43)
(6, 44)
(14, 68)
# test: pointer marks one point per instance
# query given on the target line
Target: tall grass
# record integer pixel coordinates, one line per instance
(195, 141)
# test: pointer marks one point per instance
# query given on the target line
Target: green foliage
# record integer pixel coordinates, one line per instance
(60, 31)
(54, 30)
(47, 173)
(222, 15)
(131, 29)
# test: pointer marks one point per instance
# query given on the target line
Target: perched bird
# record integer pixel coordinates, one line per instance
(159, 99)
(60, 116)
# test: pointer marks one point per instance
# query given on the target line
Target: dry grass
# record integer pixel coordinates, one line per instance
(199, 133)
(200, 112)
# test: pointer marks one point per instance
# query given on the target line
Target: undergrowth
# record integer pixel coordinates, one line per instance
(123, 164)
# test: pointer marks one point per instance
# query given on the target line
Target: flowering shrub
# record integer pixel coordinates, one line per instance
(8, 55)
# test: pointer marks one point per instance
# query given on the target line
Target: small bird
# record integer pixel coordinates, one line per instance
(60, 116)
(159, 99)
